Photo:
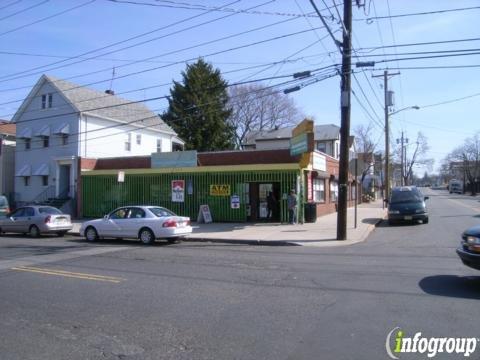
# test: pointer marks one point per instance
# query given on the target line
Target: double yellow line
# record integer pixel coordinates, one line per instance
(69, 274)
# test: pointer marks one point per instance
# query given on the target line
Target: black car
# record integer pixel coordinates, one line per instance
(407, 203)
(469, 250)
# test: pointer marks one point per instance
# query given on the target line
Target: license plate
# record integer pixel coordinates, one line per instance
(407, 218)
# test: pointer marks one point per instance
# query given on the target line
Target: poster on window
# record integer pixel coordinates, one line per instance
(178, 190)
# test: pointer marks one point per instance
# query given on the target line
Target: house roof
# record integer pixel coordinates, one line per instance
(7, 128)
(97, 103)
(322, 132)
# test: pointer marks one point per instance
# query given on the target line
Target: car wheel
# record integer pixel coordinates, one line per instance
(146, 236)
(425, 221)
(34, 231)
(91, 234)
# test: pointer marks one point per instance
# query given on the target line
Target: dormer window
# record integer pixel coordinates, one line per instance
(47, 101)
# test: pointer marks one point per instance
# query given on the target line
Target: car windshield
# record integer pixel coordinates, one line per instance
(405, 196)
(161, 212)
(3, 201)
(49, 210)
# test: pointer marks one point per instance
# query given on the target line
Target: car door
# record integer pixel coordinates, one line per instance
(134, 222)
(28, 219)
(111, 226)
(12, 223)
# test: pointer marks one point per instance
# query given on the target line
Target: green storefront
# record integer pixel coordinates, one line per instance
(234, 193)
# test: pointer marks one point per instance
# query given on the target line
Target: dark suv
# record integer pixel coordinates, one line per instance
(407, 203)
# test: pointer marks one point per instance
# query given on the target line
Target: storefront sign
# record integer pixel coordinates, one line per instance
(299, 144)
(178, 190)
(319, 162)
(204, 215)
(219, 190)
(235, 202)
(309, 187)
(121, 176)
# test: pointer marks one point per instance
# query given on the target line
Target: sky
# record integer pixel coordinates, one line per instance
(149, 43)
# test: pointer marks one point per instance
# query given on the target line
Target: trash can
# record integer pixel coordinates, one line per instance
(310, 212)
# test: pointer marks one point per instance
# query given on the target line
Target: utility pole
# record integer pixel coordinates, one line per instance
(387, 132)
(403, 158)
(345, 121)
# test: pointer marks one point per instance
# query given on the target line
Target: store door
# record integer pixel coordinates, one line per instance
(265, 201)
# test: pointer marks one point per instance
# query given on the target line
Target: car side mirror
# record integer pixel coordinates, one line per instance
(105, 217)
(426, 198)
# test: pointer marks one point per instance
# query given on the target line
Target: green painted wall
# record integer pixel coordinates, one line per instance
(103, 193)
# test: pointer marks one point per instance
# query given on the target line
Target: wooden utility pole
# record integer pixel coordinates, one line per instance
(345, 121)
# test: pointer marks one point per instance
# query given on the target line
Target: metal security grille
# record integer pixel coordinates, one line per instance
(103, 193)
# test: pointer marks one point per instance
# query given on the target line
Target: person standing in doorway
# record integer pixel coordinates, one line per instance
(271, 205)
(292, 207)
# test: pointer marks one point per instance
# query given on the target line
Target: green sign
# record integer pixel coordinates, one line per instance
(299, 144)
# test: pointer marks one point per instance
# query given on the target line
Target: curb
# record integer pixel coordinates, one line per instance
(244, 242)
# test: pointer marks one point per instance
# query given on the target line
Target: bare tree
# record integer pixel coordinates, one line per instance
(417, 157)
(365, 147)
(469, 155)
(256, 108)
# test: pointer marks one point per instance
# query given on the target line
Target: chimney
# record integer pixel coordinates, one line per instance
(110, 92)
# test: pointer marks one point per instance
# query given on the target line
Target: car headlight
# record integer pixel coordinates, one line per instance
(393, 212)
(472, 240)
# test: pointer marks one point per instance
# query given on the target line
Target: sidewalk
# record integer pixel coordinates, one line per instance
(321, 233)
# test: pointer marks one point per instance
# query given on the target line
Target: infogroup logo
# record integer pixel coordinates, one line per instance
(397, 343)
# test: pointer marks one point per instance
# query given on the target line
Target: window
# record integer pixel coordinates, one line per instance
(128, 142)
(333, 191)
(46, 141)
(27, 144)
(64, 139)
(319, 190)
(159, 145)
(26, 180)
(337, 150)
(136, 213)
(29, 212)
(321, 146)
(139, 139)
(119, 214)
(47, 100)
(45, 180)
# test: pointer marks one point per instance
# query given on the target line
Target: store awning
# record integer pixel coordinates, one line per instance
(62, 129)
(42, 170)
(26, 170)
(43, 131)
(25, 133)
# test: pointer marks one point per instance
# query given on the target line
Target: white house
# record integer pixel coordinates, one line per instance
(60, 122)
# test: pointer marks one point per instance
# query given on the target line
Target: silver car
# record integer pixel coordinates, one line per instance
(36, 220)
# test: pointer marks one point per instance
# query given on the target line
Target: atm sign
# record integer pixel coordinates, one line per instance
(219, 190)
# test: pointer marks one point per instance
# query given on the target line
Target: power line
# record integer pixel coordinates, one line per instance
(48, 17)
(24, 10)
(115, 43)
(11, 4)
(389, 17)
(417, 44)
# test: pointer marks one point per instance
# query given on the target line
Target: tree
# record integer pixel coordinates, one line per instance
(468, 155)
(366, 148)
(416, 157)
(257, 108)
(198, 109)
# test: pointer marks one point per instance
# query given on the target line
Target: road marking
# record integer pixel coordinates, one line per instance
(69, 274)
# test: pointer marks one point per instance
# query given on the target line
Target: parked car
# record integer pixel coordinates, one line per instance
(36, 220)
(455, 186)
(407, 203)
(469, 250)
(146, 223)
(4, 207)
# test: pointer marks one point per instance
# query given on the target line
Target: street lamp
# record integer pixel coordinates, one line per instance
(387, 147)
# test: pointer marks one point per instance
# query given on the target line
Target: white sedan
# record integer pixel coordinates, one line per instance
(145, 223)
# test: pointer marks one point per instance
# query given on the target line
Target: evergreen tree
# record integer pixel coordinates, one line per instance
(198, 109)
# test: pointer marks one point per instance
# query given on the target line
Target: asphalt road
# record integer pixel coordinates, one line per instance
(67, 299)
